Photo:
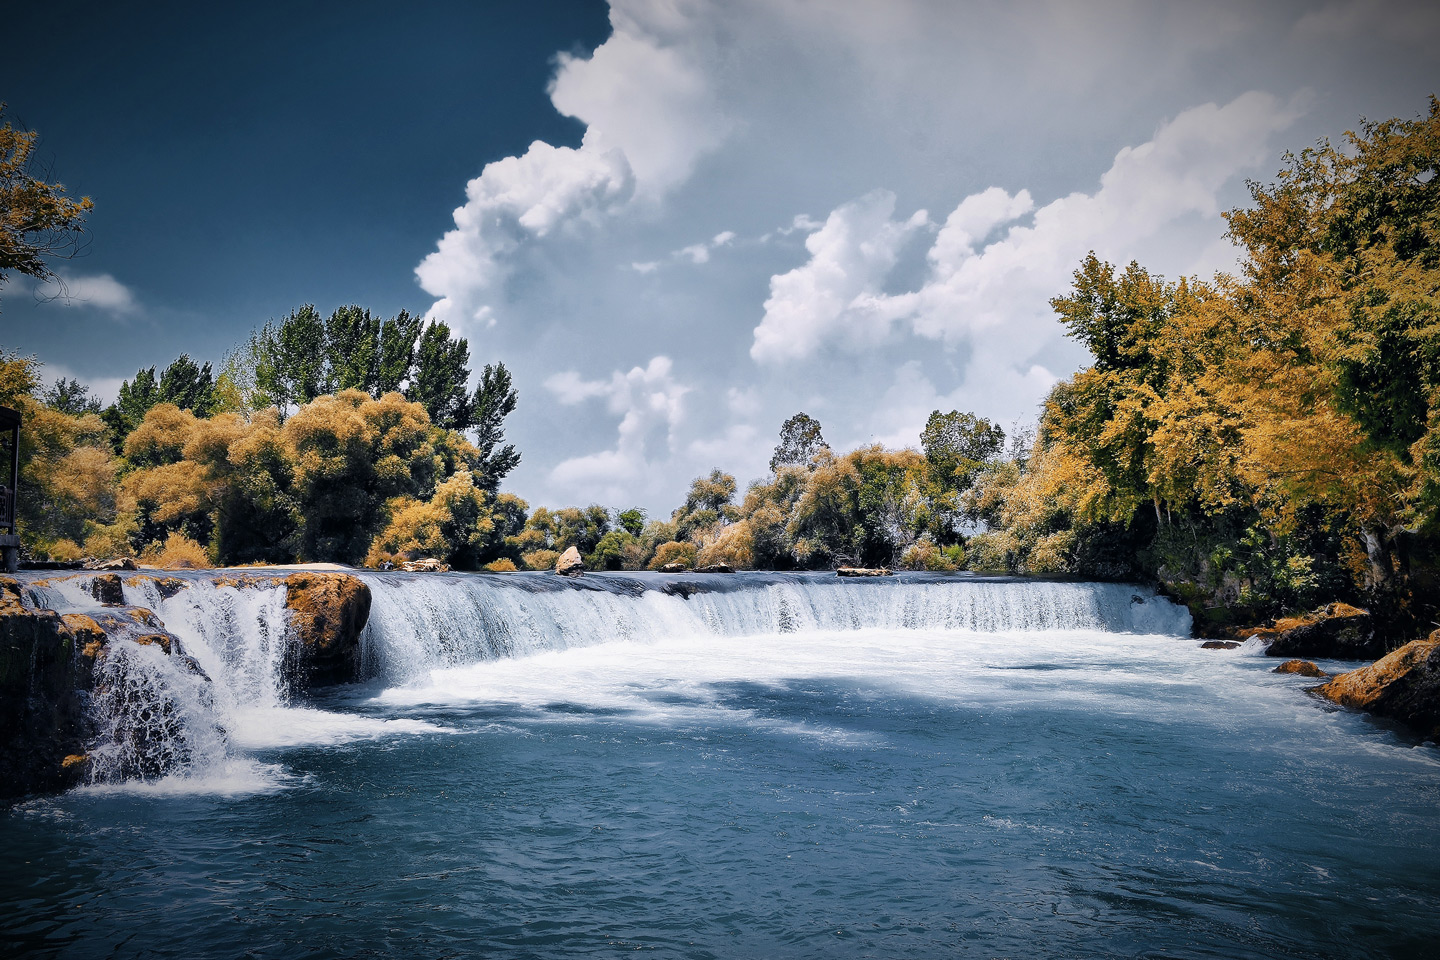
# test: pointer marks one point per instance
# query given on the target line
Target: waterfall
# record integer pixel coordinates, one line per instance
(433, 621)
(157, 714)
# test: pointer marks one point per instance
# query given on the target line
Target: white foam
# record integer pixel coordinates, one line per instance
(268, 728)
(233, 777)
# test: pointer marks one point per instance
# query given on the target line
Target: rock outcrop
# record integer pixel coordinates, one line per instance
(570, 564)
(715, 568)
(107, 589)
(42, 709)
(865, 572)
(1403, 685)
(673, 568)
(115, 563)
(1336, 631)
(328, 612)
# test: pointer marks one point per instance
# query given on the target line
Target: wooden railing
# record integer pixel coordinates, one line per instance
(7, 509)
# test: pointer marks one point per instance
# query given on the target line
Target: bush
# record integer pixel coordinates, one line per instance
(503, 565)
(540, 559)
(923, 554)
(735, 547)
(178, 553)
(674, 552)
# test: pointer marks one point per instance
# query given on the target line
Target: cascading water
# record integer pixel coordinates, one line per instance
(156, 715)
(420, 624)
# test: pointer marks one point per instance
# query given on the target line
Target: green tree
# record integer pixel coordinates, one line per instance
(800, 441)
(352, 348)
(188, 385)
(70, 396)
(959, 445)
(37, 221)
(440, 377)
(495, 399)
(632, 521)
(398, 337)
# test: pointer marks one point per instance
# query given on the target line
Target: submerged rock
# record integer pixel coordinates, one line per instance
(328, 612)
(1219, 645)
(1336, 631)
(865, 572)
(570, 564)
(1403, 685)
(1303, 667)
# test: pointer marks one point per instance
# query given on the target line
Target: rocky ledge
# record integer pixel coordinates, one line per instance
(1403, 685)
(1336, 631)
(49, 662)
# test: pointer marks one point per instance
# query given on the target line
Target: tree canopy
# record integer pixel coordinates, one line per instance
(38, 222)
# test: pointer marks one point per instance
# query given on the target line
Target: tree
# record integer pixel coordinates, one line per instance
(495, 399)
(188, 385)
(800, 440)
(439, 380)
(352, 349)
(37, 220)
(632, 521)
(958, 445)
(71, 397)
(396, 359)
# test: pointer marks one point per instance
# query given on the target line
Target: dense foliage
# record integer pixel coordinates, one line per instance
(315, 442)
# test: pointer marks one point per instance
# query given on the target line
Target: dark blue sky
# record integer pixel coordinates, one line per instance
(247, 158)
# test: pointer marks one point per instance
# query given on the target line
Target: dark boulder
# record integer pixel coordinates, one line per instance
(1336, 631)
(43, 723)
(107, 589)
(1219, 645)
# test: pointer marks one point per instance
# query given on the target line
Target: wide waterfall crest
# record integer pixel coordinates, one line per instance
(422, 623)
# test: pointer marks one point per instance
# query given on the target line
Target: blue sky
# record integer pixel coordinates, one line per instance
(679, 222)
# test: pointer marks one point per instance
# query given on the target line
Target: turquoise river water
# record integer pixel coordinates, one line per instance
(773, 766)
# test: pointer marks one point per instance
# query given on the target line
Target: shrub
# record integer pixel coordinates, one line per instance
(540, 559)
(923, 554)
(178, 553)
(503, 565)
(674, 552)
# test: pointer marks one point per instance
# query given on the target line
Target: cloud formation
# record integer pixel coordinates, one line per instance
(992, 295)
(649, 115)
(822, 134)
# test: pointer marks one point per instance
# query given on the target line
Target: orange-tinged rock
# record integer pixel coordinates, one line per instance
(328, 612)
(1303, 667)
(1403, 685)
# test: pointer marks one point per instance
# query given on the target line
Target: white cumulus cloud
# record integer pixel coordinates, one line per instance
(649, 115)
(100, 291)
(834, 296)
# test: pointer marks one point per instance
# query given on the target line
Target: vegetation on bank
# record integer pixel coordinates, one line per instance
(1257, 443)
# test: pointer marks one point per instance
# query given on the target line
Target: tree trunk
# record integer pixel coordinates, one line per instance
(1377, 549)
